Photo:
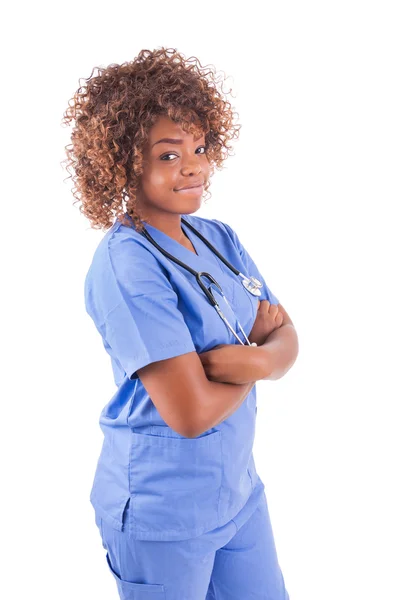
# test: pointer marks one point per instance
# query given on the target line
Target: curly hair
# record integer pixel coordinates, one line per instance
(113, 114)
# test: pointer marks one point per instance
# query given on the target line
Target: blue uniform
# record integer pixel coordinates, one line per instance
(152, 484)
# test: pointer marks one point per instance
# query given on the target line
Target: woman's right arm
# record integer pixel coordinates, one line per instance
(186, 400)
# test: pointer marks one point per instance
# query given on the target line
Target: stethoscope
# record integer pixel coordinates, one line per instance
(251, 284)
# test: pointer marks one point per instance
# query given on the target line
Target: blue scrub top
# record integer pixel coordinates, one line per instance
(147, 308)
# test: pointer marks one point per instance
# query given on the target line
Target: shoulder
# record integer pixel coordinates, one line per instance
(120, 234)
(211, 226)
(122, 252)
(122, 267)
(219, 231)
(122, 245)
(203, 222)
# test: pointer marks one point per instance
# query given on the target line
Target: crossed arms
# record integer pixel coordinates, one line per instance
(195, 392)
(276, 351)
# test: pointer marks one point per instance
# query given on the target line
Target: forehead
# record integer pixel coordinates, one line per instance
(165, 127)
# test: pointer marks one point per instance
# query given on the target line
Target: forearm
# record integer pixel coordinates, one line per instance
(219, 401)
(278, 353)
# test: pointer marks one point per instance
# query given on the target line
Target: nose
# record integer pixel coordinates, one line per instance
(192, 169)
(191, 166)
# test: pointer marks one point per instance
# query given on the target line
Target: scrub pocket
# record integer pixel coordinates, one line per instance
(136, 591)
(175, 485)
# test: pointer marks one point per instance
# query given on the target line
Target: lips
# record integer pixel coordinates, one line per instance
(193, 185)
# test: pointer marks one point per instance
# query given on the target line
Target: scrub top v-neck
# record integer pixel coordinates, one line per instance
(188, 238)
(148, 308)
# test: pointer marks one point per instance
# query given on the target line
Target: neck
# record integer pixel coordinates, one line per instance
(168, 223)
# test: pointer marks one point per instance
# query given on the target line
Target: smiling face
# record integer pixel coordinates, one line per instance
(172, 160)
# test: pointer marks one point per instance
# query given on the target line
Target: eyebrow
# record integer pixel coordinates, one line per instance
(169, 141)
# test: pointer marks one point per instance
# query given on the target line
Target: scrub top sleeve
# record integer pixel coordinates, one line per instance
(266, 293)
(146, 324)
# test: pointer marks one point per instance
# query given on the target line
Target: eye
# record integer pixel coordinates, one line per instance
(172, 154)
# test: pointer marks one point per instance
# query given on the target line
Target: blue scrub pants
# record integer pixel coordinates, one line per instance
(233, 562)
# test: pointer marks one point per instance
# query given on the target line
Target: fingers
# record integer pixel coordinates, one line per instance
(264, 305)
(272, 310)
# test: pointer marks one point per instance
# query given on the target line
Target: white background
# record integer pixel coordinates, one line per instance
(312, 191)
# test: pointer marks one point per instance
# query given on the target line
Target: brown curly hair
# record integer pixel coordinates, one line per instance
(113, 114)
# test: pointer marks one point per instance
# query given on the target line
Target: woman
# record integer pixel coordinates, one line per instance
(180, 507)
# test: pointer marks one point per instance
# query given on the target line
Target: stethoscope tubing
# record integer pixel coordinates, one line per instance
(213, 249)
(198, 274)
(251, 282)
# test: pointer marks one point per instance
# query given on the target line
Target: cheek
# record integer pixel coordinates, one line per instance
(158, 180)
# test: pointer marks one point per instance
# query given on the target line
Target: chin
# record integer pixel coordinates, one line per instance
(189, 211)
(191, 207)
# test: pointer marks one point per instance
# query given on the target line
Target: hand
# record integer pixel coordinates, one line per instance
(267, 320)
(230, 363)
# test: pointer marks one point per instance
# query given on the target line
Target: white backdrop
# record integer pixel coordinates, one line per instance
(312, 191)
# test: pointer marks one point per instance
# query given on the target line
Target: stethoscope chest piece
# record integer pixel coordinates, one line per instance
(252, 285)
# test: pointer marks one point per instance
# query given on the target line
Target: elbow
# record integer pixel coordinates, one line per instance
(184, 432)
(186, 429)
(198, 427)
(191, 432)
(191, 417)
(192, 429)
(191, 436)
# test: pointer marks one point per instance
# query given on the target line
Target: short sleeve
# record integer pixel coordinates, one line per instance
(145, 325)
(251, 267)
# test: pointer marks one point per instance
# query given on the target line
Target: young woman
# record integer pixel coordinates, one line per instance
(180, 507)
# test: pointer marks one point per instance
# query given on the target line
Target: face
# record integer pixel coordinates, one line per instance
(169, 166)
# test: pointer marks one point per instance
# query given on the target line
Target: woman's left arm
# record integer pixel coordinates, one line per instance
(279, 351)
(233, 363)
